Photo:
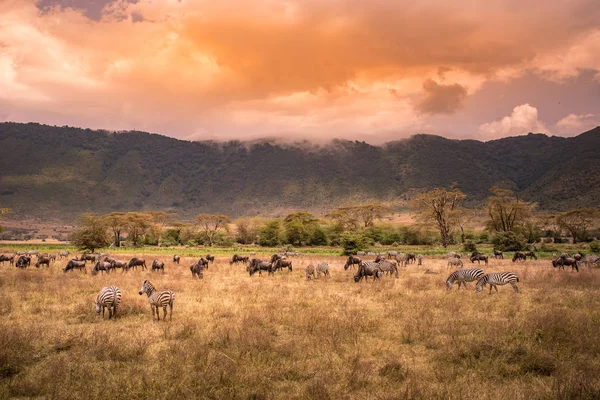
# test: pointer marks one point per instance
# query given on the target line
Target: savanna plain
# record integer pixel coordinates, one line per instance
(233, 336)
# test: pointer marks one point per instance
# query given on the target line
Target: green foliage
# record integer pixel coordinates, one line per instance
(91, 235)
(508, 241)
(469, 246)
(595, 246)
(319, 237)
(271, 234)
(299, 227)
(353, 242)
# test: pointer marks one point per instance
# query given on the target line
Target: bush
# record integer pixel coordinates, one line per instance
(595, 246)
(469, 246)
(353, 242)
(508, 241)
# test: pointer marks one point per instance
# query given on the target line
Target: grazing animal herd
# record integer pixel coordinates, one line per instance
(384, 264)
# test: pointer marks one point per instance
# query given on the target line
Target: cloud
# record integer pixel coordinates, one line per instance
(573, 124)
(442, 99)
(522, 120)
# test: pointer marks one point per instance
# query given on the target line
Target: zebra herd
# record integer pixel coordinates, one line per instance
(462, 276)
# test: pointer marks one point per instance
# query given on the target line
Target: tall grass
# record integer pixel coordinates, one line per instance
(235, 336)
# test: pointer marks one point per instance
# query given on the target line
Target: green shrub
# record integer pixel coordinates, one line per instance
(595, 246)
(469, 246)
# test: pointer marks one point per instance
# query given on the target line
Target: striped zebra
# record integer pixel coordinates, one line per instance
(158, 299)
(494, 279)
(462, 276)
(322, 268)
(110, 297)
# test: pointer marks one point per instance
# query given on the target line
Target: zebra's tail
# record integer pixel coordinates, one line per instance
(518, 280)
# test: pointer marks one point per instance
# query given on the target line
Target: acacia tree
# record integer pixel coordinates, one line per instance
(506, 211)
(136, 223)
(116, 222)
(4, 211)
(159, 219)
(440, 206)
(577, 222)
(299, 227)
(92, 233)
(350, 218)
(211, 225)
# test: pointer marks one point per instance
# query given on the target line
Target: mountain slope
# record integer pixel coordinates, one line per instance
(59, 172)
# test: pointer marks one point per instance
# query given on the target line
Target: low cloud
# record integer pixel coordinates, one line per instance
(522, 120)
(442, 99)
(574, 124)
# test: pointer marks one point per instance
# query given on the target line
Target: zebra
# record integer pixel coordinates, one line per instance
(419, 259)
(63, 254)
(322, 268)
(392, 254)
(453, 262)
(401, 259)
(388, 267)
(110, 297)
(462, 276)
(494, 279)
(310, 270)
(158, 299)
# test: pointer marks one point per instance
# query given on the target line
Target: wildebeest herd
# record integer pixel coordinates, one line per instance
(383, 264)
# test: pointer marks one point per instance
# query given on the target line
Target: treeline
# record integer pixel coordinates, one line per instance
(510, 224)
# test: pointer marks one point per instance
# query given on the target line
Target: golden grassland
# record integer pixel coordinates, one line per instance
(236, 336)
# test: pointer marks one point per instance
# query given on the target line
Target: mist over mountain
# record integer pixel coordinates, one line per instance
(60, 172)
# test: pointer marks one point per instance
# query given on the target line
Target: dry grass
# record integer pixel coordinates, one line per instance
(235, 336)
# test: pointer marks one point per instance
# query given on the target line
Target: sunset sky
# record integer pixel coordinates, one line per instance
(312, 69)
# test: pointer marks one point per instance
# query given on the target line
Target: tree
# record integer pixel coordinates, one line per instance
(577, 222)
(368, 213)
(116, 222)
(299, 227)
(441, 207)
(92, 233)
(4, 211)
(246, 230)
(211, 224)
(159, 220)
(137, 224)
(350, 218)
(271, 234)
(506, 211)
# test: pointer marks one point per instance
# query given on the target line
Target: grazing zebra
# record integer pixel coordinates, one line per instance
(158, 299)
(361, 253)
(110, 297)
(63, 254)
(392, 254)
(495, 279)
(454, 254)
(462, 276)
(310, 270)
(367, 268)
(401, 259)
(388, 267)
(453, 262)
(157, 264)
(419, 259)
(322, 268)
(176, 259)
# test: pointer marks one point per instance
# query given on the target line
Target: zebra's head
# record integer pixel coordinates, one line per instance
(449, 284)
(480, 284)
(146, 287)
(98, 307)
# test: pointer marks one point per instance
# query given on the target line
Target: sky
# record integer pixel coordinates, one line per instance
(374, 70)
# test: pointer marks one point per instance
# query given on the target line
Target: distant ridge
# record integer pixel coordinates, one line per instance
(60, 172)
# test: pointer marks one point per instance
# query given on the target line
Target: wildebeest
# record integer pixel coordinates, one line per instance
(361, 253)
(351, 261)
(410, 258)
(498, 254)
(479, 257)
(4, 258)
(310, 270)
(101, 266)
(23, 262)
(530, 254)
(392, 254)
(210, 258)
(237, 259)
(117, 263)
(366, 269)
(203, 261)
(42, 261)
(89, 257)
(157, 264)
(63, 254)
(176, 259)
(75, 264)
(519, 255)
(259, 265)
(282, 263)
(379, 258)
(276, 257)
(568, 261)
(419, 259)
(197, 270)
(134, 263)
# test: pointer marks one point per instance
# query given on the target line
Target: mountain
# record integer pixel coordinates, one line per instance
(60, 172)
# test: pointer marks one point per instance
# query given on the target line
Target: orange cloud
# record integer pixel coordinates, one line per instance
(246, 69)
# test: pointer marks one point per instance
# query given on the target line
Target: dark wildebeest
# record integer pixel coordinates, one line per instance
(530, 254)
(366, 269)
(410, 258)
(498, 254)
(351, 261)
(157, 264)
(101, 266)
(197, 270)
(23, 262)
(392, 254)
(519, 255)
(282, 263)
(75, 264)
(379, 258)
(10, 259)
(176, 259)
(259, 265)
(276, 257)
(237, 259)
(210, 258)
(89, 257)
(479, 257)
(117, 263)
(568, 261)
(135, 262)
(203, 261)
(42, 261)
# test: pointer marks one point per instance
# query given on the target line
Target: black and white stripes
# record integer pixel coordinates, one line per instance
(462, 276)
(110, 297)
(498, 278)
(158, 299)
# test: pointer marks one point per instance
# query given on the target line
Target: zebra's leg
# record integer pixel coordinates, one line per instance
(152, 307)
(102, 312)
(515, 287)
(171, 310)
(110, 314)
(164, 313)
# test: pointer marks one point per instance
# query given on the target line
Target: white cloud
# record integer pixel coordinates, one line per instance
(574, 124)
(522, 120)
